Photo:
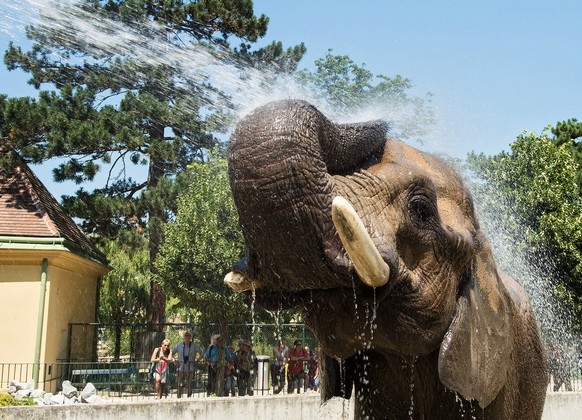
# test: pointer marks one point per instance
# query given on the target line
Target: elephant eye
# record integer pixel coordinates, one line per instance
(421, 210)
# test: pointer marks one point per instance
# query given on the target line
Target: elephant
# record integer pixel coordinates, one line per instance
(379, 245)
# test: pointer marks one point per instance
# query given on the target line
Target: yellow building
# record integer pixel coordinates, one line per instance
(49, 276)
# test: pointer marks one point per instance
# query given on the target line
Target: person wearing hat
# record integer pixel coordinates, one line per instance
(187, 351)
(211, 357)
(296, 375)
(245, 361)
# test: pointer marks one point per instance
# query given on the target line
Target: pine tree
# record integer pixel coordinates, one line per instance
(107, 106)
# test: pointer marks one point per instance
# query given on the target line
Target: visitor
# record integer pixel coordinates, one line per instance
(246, 363)
(161, 356)
(280, 356)
(211, 357)
(187, 354)
(313, 371)
(229, 375)
(296, 373)
(230, 353)
(580, 363)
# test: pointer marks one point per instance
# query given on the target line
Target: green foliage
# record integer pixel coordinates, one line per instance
(7, 400)
(537, 182)
(114, 110)
(274, 56)
(348, 88)
(124, 290)
(202, 243)
(569, 133)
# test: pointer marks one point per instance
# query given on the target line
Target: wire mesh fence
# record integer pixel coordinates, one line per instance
(116, 342)
(132, 380)
(127, 380)
(119, 364)
(118, 361)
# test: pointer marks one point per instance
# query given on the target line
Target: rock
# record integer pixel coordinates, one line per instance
(21, 394)
(17, 384)
(88, 391)
(37, 393)
(11, 389)
(57, 399)
(30, 384)
(72, 400)
(69, 390)
(94, 399)
(47, 398)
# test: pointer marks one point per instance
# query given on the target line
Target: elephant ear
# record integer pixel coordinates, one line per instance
(475, 353)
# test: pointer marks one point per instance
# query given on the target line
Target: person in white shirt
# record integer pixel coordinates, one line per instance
(187, 351)
(280, 356)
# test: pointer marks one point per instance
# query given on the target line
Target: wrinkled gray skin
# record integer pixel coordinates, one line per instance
(447, 325)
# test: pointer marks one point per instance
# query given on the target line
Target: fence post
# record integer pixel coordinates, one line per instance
(40, 320)
(69, 340)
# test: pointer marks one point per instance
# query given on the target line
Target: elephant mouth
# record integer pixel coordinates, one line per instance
(368, 263)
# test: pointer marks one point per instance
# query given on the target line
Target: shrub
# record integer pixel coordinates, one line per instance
(7, 400)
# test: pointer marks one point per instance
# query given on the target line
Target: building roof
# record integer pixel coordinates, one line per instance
(29, 210)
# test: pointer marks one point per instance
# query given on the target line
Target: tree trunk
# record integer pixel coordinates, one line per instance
(223, 331)
(117, 350)
(156, 316)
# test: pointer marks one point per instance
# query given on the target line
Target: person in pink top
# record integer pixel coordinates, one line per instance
(296, 373)
(161, 357)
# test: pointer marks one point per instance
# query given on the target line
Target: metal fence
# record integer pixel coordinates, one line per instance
(134, 342)
(131, 379)
(118, 361)
(128, 380)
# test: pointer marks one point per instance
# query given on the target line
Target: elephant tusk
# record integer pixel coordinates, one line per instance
(239, 282)
(367, 261)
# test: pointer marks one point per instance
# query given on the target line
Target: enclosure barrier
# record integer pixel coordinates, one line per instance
(132, 381)
(127, 380)
(559, 406)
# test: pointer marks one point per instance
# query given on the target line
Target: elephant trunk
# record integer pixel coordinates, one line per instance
(281, 160)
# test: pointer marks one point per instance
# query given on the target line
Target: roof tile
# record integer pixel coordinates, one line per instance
(28, 209)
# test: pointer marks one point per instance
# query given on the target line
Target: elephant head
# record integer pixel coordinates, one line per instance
(378, 243)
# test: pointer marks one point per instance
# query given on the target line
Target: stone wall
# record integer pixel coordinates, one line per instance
(559, 406)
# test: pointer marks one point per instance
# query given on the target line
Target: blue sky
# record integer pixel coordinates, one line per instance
(496, 68)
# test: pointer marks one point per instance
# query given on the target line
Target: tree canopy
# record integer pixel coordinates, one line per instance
(204, 239)
(569, 133)
(532, 193)
(124, 291)
(202, 243)
(349, 88)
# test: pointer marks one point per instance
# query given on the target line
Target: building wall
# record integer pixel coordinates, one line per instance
(70, 297)
(19, 297)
